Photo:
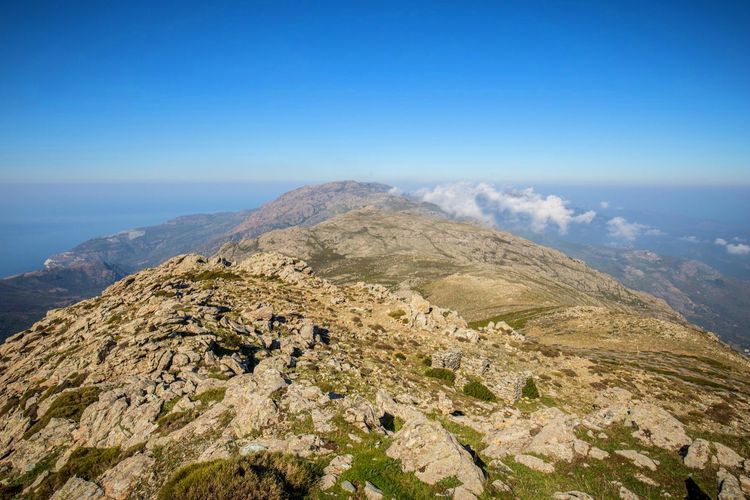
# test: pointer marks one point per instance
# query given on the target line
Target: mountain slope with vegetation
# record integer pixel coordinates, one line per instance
(204, 378)
(477, 271)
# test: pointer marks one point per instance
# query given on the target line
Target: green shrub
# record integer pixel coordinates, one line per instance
(441, 374)
(86, 463)
(68, 405)
(397, 314)
(213, 275)
(400, 356)
(529, 389)
(478, 390)
(175, 420)
(209, 395)
(259, 476)
(427, 361)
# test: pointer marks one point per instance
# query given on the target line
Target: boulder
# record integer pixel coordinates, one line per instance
(78, 489)
(424, 447)
(727, 457)
(698, 454)
(119, 481)
(572, 495)
(450, 359)
(535, 463)
(728, 486)
(333, 471)
(657, 427)
(639, 460)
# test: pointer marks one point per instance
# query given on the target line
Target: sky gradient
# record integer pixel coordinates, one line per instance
(599, 92)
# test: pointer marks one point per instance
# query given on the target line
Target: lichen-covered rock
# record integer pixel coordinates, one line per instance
(424, 447)
(119, 481)
(78, 489)
(698, 454)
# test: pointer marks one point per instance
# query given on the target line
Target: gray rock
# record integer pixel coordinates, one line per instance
(372, 492)
(535, 463)
(78, 489)
(450, 359)
(728, 486)
(698, 454)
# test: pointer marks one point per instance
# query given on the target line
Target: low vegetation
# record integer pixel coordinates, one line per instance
(441, 374)
(260, 476)
(85, 463)
(477, 390)
(529, 389)
(68, 405)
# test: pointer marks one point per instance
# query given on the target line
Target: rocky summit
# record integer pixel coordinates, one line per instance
(255, 378)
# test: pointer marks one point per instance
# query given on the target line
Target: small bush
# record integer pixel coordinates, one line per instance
(400, 356)
(209, 395)
(441, 374)
(173, 421)
(529, 389)
(68, 405)
(86, 463)
(397, 314)
(260, 476)
(427, 361)
(214, 275)
(478, 390)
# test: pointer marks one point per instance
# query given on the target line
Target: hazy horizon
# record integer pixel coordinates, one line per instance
(40, 219)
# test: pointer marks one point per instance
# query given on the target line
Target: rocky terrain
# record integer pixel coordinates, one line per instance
(480, 272)
(205, 377)
(700, 293)
(87, 269)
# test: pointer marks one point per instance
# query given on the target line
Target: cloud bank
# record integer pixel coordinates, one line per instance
(733, 248)
(484, 202)
(619, 227)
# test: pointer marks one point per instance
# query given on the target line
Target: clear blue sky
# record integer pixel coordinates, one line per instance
(651, 92)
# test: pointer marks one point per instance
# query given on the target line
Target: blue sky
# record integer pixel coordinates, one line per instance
(609, 92)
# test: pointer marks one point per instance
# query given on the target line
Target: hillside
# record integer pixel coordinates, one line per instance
(702, 294)
(87, 269)
(480, 272)
(216, 364)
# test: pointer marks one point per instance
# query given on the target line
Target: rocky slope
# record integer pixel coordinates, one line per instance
(87, 269)
(217, 364)
(480, 272)
(702, 294)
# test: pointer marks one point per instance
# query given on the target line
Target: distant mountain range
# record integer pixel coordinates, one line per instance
(700, 293)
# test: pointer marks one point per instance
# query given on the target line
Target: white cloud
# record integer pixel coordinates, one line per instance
(604, 204)
(483, 201)
(619, 227)
(691, 239)
(738, 249)
(733, 248)
(654, 232)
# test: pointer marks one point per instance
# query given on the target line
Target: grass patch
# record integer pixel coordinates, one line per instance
(209, 395)
(174, 421)
(529, 389)
(167, 406)
(259, 476)
(516, 319)
(397, 314)
(68, 405)
(210, 275)
(442, 374)
(478, 390)
(86, 463)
